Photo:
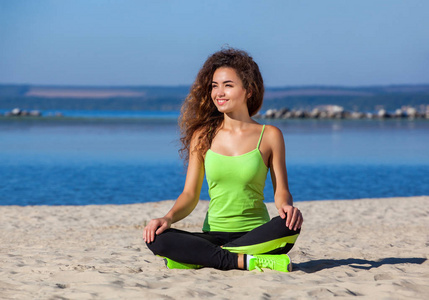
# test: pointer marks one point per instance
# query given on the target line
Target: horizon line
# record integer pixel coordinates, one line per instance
(189, 85)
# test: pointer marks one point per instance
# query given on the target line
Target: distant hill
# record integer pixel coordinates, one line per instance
(171, 97)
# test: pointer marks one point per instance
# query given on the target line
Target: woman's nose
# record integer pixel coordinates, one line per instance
(220, 91)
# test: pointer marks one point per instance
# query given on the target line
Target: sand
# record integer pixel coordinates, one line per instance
(374, 248)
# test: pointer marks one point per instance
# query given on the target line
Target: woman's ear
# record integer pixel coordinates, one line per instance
(249, 94)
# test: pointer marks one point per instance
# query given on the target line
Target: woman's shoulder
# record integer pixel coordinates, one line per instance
(268, 128)
(273, 136)
(197, 135)
(273, 131)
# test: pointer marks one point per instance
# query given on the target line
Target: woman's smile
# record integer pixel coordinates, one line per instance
(228, 93)
(221, 101)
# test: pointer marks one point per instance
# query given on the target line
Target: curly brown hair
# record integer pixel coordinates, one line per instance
(198, 112)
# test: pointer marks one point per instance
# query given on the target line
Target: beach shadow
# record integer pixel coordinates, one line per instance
(321, 264)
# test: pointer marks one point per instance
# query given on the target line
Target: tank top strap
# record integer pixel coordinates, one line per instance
(260, 138)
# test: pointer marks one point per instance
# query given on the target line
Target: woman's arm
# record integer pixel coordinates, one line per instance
(282, 197)
(185, 203)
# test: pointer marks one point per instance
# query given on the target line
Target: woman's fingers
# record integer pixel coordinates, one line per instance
(298, 221)
(161, 229)
(289, 217)
(152, 235)
(155, 227)
(294, 218)
(145, 234)
(149, 231)
(282, 213)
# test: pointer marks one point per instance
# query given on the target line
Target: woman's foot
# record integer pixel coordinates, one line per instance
(277, 262)
(172, 264)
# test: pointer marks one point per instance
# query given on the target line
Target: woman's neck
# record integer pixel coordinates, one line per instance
(237, 121)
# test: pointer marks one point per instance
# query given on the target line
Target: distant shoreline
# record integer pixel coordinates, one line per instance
(370, 98)
(318, 113)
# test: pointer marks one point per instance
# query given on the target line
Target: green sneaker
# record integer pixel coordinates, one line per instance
(278, 262)
(172, 264)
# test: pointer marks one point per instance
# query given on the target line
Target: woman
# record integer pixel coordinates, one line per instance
(221, 139)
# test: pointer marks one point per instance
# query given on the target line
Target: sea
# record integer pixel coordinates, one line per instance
(111, 157)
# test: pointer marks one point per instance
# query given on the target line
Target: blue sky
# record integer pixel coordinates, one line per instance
(112, 42)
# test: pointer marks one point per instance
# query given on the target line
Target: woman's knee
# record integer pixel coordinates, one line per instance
(160, 244)
(280, 224)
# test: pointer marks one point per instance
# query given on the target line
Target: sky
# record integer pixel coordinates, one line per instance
(165, 42)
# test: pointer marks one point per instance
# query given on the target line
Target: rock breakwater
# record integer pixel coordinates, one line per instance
(338, 112)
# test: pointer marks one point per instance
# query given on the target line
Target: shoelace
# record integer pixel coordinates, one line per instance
(264, 263)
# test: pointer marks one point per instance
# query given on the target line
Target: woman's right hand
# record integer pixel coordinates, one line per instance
(155, 227)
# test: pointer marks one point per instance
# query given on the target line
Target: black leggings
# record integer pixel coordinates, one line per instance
(205, 249)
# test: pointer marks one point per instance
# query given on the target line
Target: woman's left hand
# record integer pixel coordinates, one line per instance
(293, 216)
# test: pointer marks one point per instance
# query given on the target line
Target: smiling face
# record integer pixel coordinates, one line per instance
(228, 93)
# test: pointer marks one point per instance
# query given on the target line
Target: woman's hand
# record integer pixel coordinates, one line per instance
(293, 216)
(155, 227)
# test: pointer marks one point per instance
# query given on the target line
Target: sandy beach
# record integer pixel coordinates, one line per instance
(375, 248)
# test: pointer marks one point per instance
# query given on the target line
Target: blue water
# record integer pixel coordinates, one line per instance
(108, 114)
(109, 158)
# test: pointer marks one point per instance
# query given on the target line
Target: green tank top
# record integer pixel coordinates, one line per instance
(236, 189)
